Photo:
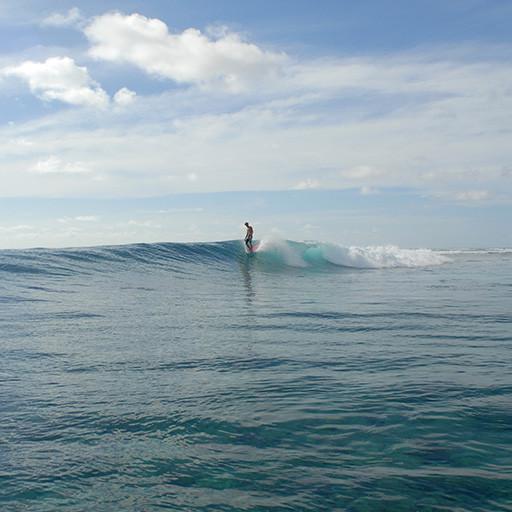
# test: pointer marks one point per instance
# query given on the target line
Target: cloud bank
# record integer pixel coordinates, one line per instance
(243, 117)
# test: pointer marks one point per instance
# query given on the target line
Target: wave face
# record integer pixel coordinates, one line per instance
(271, 254)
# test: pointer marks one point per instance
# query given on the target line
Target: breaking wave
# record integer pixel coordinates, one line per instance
(271, 253)
(302, 254)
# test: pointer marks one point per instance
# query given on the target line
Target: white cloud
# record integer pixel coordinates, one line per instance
(473, 195)
(181, 210)
(87, 218)
(15, 229)
(54, 165)
(79, 218)
(70, 18)
(187, 57)
(124, 97)
(21, 143)
(410, 73)
(361, 172)
(59, 78)
(445, 137)
(144, 224)
(307, 184)
(368, 191)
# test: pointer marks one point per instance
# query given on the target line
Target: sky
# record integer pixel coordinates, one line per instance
(361, 123)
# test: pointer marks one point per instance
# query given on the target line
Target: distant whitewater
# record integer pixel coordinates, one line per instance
(272, 253)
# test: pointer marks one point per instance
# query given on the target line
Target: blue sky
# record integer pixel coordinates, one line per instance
(366, 123)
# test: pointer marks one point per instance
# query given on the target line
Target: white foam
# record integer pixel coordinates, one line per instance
(476, 251)
(297, 254)
(381, 256)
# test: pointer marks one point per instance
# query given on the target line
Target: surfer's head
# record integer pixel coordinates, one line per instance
(246, 224)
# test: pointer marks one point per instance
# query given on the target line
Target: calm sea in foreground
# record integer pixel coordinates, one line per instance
(305, 377)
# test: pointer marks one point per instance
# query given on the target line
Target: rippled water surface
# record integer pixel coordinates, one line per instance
(193, 377)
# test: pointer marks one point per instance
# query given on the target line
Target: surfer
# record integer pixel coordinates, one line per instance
(248, 236)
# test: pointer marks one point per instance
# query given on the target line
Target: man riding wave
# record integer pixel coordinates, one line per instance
(248, 236)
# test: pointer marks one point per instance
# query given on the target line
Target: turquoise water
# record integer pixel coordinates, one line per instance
(306, 377)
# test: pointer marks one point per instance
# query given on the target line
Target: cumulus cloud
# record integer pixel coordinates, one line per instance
(187, 57)
(70, 18)
(54, 165)
(124, 97)
(59, 78)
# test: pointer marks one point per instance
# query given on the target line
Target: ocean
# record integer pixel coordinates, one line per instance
(307, 376)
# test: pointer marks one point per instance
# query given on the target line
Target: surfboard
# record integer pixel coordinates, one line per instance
(254, 249)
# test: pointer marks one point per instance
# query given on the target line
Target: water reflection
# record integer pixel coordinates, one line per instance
(246, 267)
